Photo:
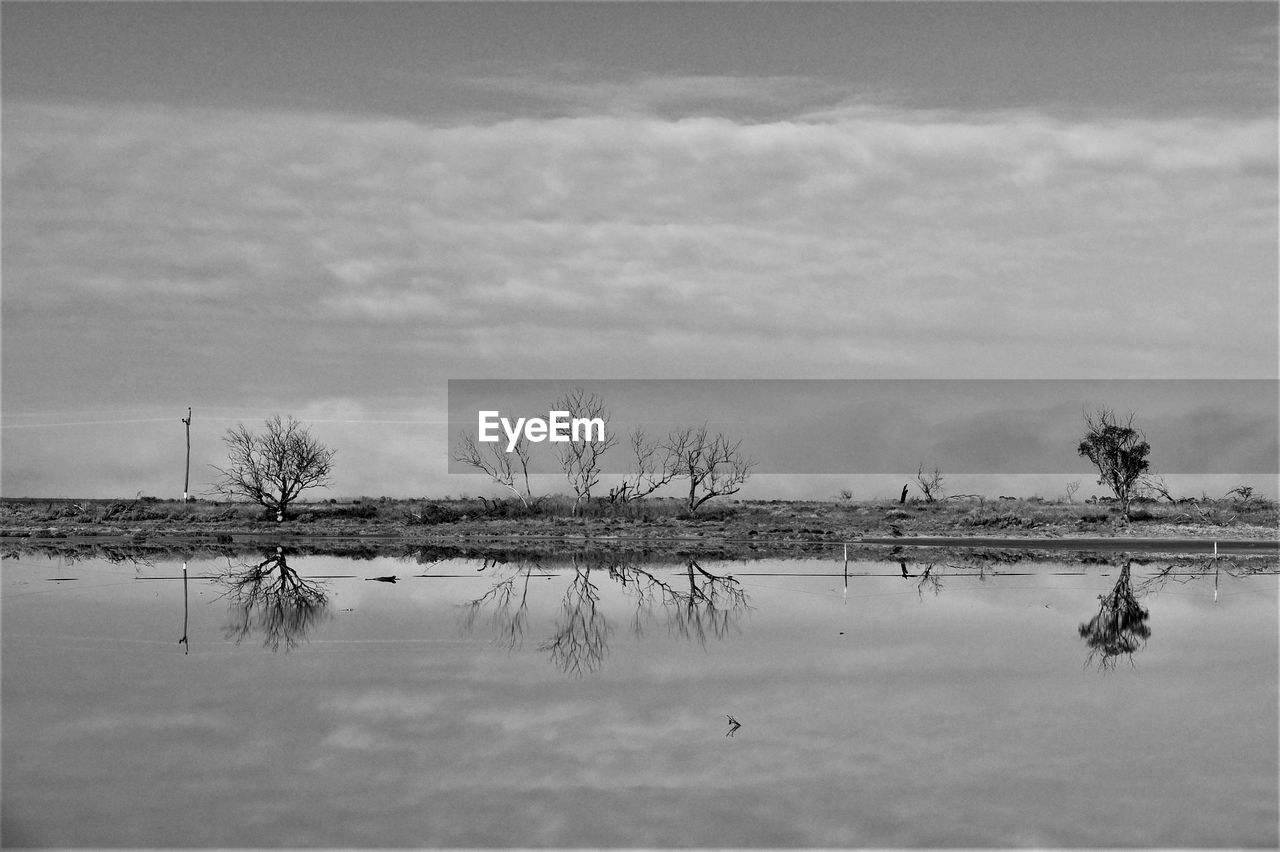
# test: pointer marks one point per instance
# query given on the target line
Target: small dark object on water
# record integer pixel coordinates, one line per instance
(734, 725)
(382, 579)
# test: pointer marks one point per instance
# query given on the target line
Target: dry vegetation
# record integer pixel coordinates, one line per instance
(748, 520)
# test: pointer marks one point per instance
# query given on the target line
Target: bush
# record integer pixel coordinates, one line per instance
(432, 513)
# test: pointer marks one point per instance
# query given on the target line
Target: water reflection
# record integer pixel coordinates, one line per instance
(1217, 566)
(1120, 627)
(409, 735)
(581, 638)
(185, 641)
(930, 577)
(270, 598)
(694, 603)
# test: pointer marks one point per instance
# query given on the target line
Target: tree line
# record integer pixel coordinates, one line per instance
(710, 464)
(272, 468)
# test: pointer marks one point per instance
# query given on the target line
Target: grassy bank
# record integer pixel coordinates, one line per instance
(653, 519)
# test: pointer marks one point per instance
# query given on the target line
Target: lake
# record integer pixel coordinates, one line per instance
(585, 701)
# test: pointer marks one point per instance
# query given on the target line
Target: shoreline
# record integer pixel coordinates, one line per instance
(872, 529)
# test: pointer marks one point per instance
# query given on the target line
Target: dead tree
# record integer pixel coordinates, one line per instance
(714, 465)
(508, 469)
(273, 468)
(653, 467)
(580, 459)
(930, 483)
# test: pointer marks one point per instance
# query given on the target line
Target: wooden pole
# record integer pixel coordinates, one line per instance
(186, 480)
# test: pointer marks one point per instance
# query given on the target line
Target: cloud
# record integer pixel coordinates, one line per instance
(572, 92)
(245, 256)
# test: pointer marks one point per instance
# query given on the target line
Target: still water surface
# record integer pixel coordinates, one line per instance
(585, 703)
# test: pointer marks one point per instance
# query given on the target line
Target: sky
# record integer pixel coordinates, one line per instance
(332, 210)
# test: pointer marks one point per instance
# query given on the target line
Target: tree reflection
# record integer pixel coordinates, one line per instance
(1187, 572)
(1120, 626)
(695, 604)
(699, 605)
(270, 598)
(930, 578)
(581, 639)
(509, 600)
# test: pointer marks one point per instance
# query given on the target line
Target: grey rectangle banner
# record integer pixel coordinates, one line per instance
(872, 426)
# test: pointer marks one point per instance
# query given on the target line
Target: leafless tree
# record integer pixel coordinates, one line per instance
(508, 469)
(273, 468)
(1243, 492)
(653, 467)
(270, 598)
(713, 464)
(1153, 486)
(581, 459)
(930, 482)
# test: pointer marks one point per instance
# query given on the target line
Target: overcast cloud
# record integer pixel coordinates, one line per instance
(565, 218)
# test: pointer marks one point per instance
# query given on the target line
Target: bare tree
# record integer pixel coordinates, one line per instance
(510, 470)
(930, 483)
(653, 467)
(713, 464)
(581, 459)
(1243, 492)
(1119, 452)
(1155, 484)
(273, 468)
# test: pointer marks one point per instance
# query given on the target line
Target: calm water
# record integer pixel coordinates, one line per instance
(585, 704)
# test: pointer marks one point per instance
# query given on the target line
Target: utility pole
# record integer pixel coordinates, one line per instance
(186, 480)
